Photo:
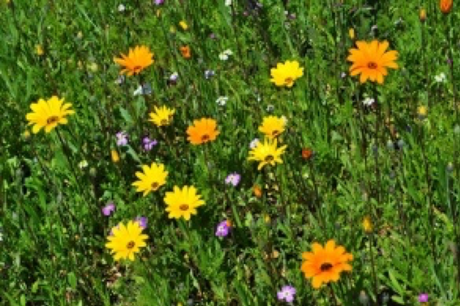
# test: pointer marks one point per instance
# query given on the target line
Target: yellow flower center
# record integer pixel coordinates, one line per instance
(288, 81)
(372, 65)
(184, 207)
(325, 267)
(269, 158)
(52, 119)
(164, 122)
(154, 186)
(204, 138)
(130, 245)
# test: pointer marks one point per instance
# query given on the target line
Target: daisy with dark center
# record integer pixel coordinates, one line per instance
(162, 116)
(286, 74)
(272, 126)
(324, 265)
(182, 203)
(202, 131)
(48, 114)
(125, 241)
(267, 153)
(151, 179)
(371, 60)
(137, 60)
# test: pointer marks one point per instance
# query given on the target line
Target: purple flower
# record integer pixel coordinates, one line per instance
(233, 178)
(108, 209)
(122, 139)
(209, 74)
(423, 298)
(142, 222)
(159, 2)
(149, 143)
(223, 228)
(286, 294)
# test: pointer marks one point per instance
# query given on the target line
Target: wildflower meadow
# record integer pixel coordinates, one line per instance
(229, 152)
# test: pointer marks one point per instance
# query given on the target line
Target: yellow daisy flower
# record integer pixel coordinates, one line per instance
(272, 126)
(162, 116)
(136, 61)
(48, 114)
(286, 74)
(151, 179)
(127, 240)
(182, 203)
(267, 153)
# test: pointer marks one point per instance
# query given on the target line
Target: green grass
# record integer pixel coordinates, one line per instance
(382, 161)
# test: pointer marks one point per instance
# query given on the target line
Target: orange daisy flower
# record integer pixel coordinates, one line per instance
(325, 264)
(136, 61)
(185, 50)
(202, 131)
(371, 60)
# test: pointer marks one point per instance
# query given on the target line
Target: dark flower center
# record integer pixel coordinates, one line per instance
(275, 132)
(154, 185)
(325, 267)
(52, 119)
(130, 245)
(164, 122)
(184, 207)
(288, 81)
(137, 68)
(372, 65)
(269, 158)
(205, 138)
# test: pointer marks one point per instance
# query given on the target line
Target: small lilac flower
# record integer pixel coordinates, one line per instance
(108, 209)
(209, 74)
(233, 178)
(423, 298)
(142, 222)
(223, 228)
(159, 2)
(173, 78)
(286, 294)
(212, 36)
(254, 143)
(149, 143)
(122, 139)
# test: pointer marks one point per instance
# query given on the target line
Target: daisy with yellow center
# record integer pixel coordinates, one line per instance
(202, 131)
(48, 114)
(286, 74)
(137, 60)
(272, 126)
(267, 153)
(162, 116)
(324, 265)
(182, 202)
(151, 179)
(371, 60)
(126, 241)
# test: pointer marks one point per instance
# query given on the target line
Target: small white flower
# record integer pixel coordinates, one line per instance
(138, 91)
(270, 108)
(368, 101)
(285, 120)
(440, 78)
(83, 164)
(222, 100)
(225, 55)
(228, 2)
(1, 236)
(121, 8)
(254, 143)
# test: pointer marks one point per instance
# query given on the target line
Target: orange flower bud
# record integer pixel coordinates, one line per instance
(257, 191)
(422, 15)
(446, 6)
(185, 50)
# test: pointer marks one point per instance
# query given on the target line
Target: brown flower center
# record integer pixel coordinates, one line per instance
(372, 65)
(52, 119)
(325, 267)
(130, 245)
(137, 68)
(269, 158)
(275, 133)
(164, 122)
(288, 81)
(184, 207)
(155, 185)
(204, 138)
